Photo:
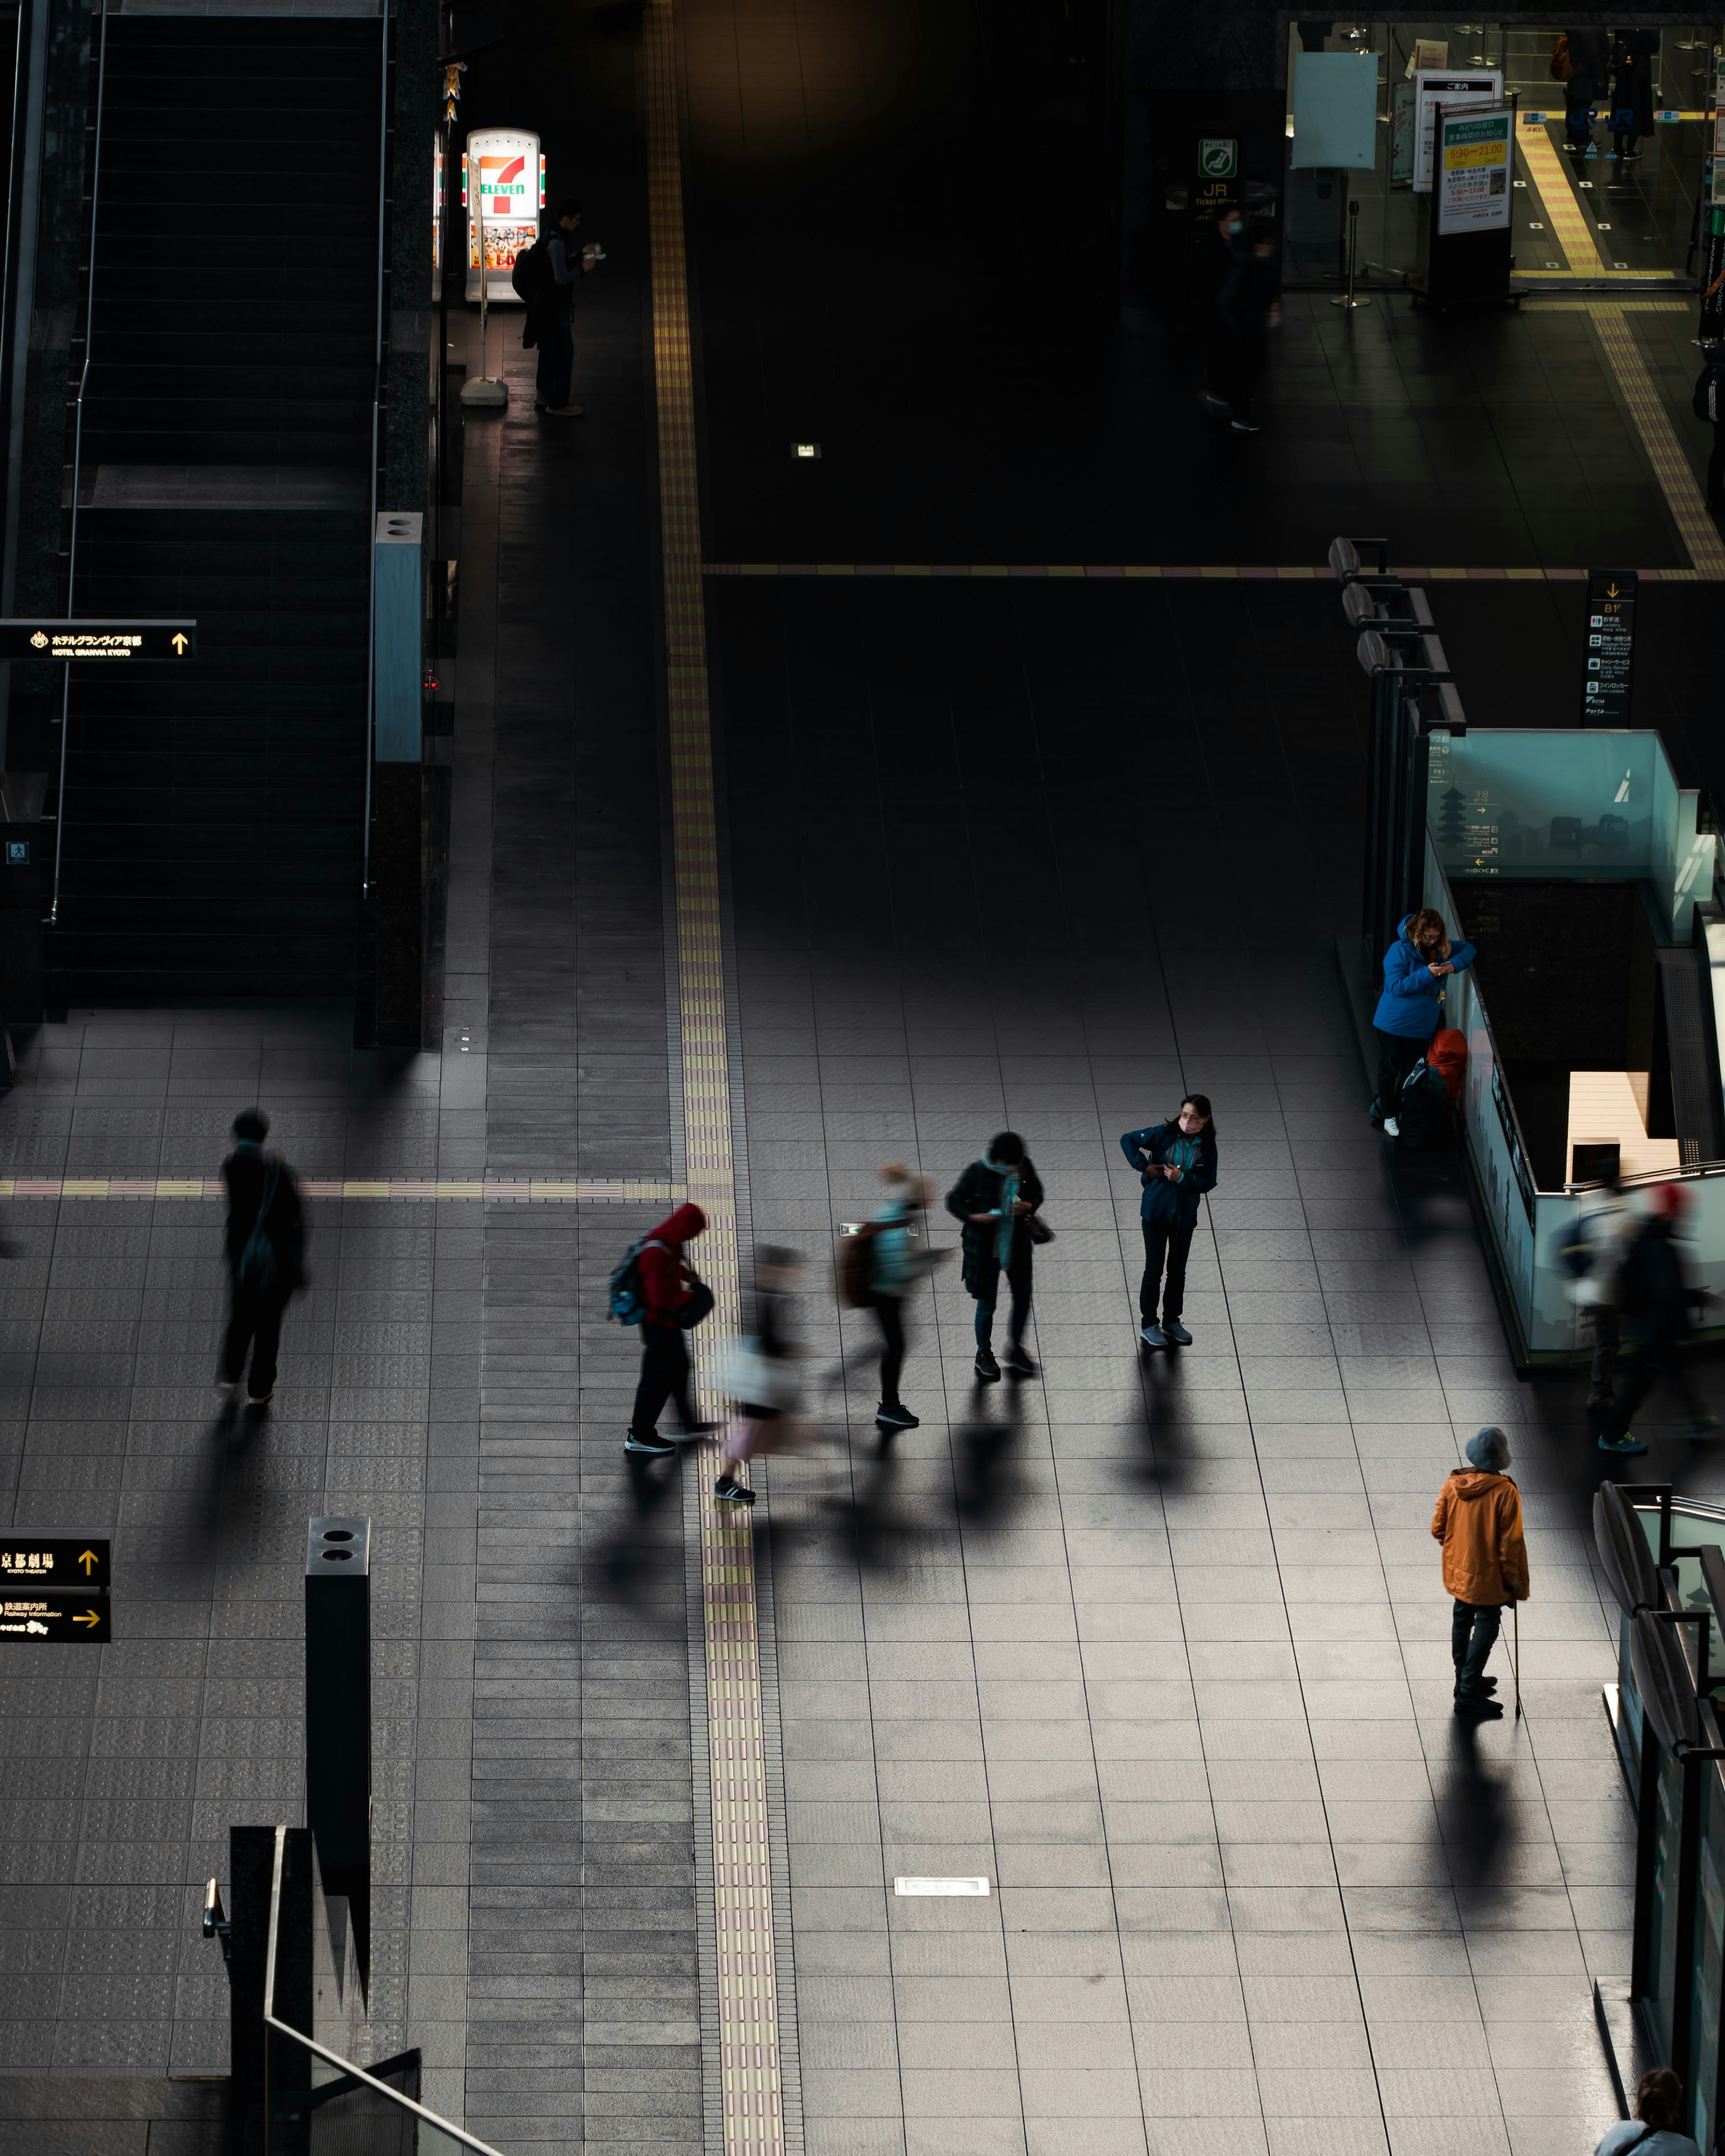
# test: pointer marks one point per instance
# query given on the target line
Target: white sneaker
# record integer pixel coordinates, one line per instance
(1392, 1129)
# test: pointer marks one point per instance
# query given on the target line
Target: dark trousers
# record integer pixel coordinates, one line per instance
(890, 1317)
(1169, 1241)
(986, 1292)
(1646, 1362)
(555, 376)
(1237, 361)
(664, 1376)
(1578, 112)
(254, 1322)
(1716, 470)
(1602, 1337)
(1473, 1633)
(1396, 1057)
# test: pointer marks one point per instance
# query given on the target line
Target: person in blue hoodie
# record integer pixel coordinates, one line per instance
(1176, 1161)
(1415, 968)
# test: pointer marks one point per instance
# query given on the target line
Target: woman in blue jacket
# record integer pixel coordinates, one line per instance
(1176, 1163)
(1415, 968)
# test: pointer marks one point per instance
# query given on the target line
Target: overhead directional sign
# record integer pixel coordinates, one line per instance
(104, 642)
(45, 1618)
(56, 1561)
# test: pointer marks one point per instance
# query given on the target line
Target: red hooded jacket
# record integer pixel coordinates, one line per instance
(666, 1275)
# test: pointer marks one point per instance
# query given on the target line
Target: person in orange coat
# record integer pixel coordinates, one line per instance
(1478, 1519)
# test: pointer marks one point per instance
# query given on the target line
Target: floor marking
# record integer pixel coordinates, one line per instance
(490, 1191)
(1568, 227)
(752, 2099)
(1223, 571)
(1652, 422)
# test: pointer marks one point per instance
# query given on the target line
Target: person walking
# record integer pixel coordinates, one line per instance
(1655, 1305)
(996, 1198)
(550, 312)
(896, 1265)
(1415, 968)
(1655, 2129)
(766, 1370)
(1633, 54)
(675, 1299)
(1587, 59)
(1478, 1519)
(1176, 1161)
(265, 1247)
(1244, 310)
(1593, 1254)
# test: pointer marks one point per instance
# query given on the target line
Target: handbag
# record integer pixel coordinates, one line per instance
(1038, 1229)
(699, 1306)
(1561, 66)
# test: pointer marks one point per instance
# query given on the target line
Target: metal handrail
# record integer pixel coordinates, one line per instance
(322, 2050)
(365, 873)
(96, 203)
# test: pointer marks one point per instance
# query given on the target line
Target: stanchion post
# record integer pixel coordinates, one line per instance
(1347, 299)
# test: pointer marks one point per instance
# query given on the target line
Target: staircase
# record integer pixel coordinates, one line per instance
(213, 819)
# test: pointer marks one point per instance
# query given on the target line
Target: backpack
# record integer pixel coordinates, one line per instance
(532, 266)
(258, 1268)
(854, 1259)
(627, 1302)
(1706, 401)
(1422, 1115)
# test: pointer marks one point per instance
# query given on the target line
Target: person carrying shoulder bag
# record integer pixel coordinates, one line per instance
(1654, 2130)
(1176, 1161)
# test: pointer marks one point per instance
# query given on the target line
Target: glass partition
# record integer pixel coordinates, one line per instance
(1709, 1929)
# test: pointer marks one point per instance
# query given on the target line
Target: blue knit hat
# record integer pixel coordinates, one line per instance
(1490, 1450)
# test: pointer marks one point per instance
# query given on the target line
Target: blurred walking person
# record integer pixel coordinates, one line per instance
(674, 1299)
(1478, 1519)
(996, 1198)
(1593, 1254)
(1176, 1161)
(763, 1373)
(893, 1264)
(1655, 1306)
(1243, 311)
(265, 1246)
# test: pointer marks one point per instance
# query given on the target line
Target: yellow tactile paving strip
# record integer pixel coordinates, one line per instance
(1659, 438)
(1566, 225)
(748, 1998)
(491, 1191)
(1225, 571)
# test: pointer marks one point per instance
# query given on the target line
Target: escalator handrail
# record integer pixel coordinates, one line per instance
(365, 873)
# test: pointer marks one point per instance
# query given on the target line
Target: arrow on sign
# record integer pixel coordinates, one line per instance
(178, 641)
(1612, 592)
(87, 1560)
(89, 1617)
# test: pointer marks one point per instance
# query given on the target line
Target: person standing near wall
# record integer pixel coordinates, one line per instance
(1415, 968)
(550, 310)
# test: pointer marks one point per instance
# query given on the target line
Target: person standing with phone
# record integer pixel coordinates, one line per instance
(1176, 1161)
(996, 1198)
(1415, 968)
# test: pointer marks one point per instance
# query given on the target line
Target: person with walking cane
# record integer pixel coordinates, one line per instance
(1478, 1519)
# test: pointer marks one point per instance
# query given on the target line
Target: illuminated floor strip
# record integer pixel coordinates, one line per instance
(491, 1191)
(1568, 227)
(1223, 571)
(1671, 467)
(748, 1999)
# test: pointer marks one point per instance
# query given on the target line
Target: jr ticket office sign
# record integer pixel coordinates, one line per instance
(1474, 159)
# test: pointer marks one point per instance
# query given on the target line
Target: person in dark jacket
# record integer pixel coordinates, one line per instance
(1654, 1303)
(1589, 66)
(265, 1248)
(674, 1294)
(551, 316)
(994, 1198)
(1244, 310)
(1633, 54)
(1176, 1161)
(1415, 968)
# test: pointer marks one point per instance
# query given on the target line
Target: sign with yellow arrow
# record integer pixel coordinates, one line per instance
(1610, 648)
(60, 1561)
(100, 643)
(41, 1620)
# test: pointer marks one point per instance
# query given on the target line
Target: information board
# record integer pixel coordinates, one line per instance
(1433, 88)
(54, 1561)
(1610, 647)
(104, 642)
(1474, 167)
(45, 1620)
(503, 185)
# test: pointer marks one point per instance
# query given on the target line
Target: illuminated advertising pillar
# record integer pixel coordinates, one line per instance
(503, 176)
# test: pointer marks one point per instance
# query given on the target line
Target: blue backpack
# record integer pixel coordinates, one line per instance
(628, 1304)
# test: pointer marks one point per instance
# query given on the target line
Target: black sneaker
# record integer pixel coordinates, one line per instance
(896, 1417)
(654, 1446)
(1487, 1683)
(1019, 1363)
(730, 1492)
(1471, 1706)
(986, 1366)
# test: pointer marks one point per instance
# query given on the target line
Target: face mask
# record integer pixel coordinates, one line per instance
(1234, 230)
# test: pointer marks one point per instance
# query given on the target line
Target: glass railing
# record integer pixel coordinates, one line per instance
(317, 2102)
